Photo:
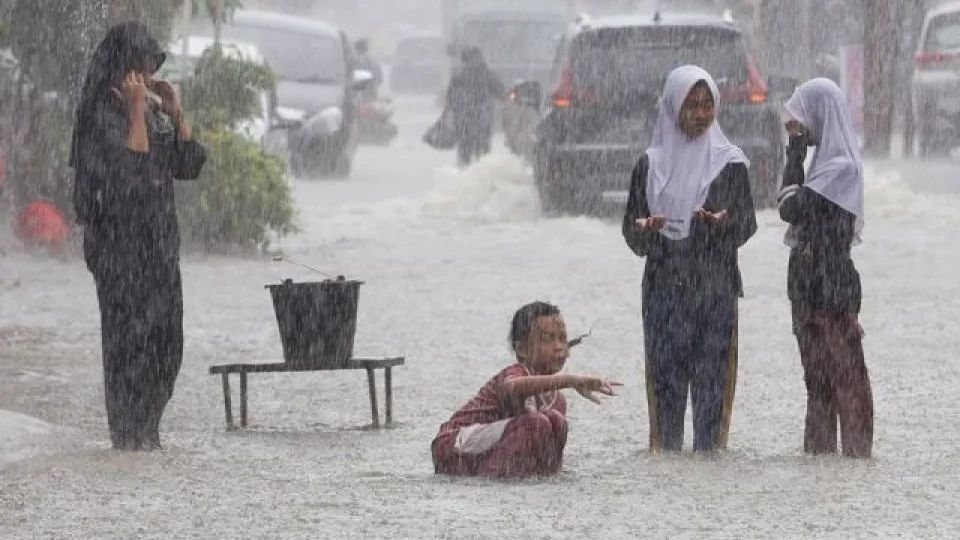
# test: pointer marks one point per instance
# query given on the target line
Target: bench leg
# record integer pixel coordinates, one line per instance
(372, 382)
(388, 391)
(227, 407)
(243, 399)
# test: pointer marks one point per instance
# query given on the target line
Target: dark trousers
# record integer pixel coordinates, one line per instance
(141, 319)
(691, 344)
(473, 142)
(838, 385)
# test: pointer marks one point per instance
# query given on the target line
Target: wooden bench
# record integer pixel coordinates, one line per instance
(368, 364)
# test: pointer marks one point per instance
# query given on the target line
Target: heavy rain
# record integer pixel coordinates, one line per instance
(479, 268)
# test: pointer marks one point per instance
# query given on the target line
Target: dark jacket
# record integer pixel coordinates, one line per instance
(821, 276)
(125, 199)
(132, 212)
(707, 259)
(125, 202)
(471, 95)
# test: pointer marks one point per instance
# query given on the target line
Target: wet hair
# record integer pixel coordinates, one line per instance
(126, 47)
(525, 318)
(704, 85)
(472, 55)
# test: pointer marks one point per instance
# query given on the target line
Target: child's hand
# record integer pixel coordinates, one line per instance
(714, 218)
(651, 224)
(586, 386)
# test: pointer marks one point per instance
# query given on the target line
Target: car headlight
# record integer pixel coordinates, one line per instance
(331, 118)
(289, 114)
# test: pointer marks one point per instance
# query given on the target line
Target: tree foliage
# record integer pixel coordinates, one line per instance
(225, 89)
(53, 42)
(241, 195)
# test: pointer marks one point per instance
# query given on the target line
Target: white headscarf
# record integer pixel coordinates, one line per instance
(682, 169)
(836, 171)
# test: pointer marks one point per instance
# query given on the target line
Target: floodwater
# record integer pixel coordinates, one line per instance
(447, 257)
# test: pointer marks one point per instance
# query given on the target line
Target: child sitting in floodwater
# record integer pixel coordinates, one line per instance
(516, 424)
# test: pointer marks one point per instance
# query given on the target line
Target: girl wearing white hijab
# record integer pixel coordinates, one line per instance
(824, 208)
(689, 211)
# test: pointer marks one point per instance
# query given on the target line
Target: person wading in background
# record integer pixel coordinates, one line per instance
(127, 149)
(471, 95)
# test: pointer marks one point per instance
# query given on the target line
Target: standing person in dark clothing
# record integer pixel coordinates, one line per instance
(825, 211)
(128, 147)
(471, 95)
(689, 211)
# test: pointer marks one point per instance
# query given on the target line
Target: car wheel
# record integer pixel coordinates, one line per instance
(298, 167)
(556, 198)
(342, 166)
(551, 203)
(305, 163)
(928, 140)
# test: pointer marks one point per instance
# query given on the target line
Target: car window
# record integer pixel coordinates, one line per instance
(513, 42)
(618, 60)
(293, 56)
(944, 33)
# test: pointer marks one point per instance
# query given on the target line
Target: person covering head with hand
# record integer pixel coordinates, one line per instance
(129, 143)
(824, 208)
(689, 210)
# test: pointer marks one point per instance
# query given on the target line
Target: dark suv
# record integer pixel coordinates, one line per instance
(610, 73)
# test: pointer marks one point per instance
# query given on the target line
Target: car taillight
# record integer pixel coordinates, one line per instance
(933, 60)
(567, 94)
(756, 86)
(564, 93)
(754, 90)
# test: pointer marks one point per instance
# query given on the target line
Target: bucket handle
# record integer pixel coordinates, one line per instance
(280, 258)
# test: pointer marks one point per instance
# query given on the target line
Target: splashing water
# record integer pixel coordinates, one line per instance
(889, 197)
(497, 188)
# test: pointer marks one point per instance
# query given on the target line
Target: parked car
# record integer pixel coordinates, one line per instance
(420, 65)
(316, 87)
(936, 80)
(610, 74)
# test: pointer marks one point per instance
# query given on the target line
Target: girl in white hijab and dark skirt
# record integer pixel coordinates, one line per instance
(689, 211)
(825, 211)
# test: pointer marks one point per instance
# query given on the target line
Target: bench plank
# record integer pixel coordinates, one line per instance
(283, 367)
(368, 364)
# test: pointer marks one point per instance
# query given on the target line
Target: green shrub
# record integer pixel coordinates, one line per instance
(242, 194)
(224, 90)
(240, 197)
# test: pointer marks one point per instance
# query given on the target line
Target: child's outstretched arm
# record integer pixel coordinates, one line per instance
(517, 390)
